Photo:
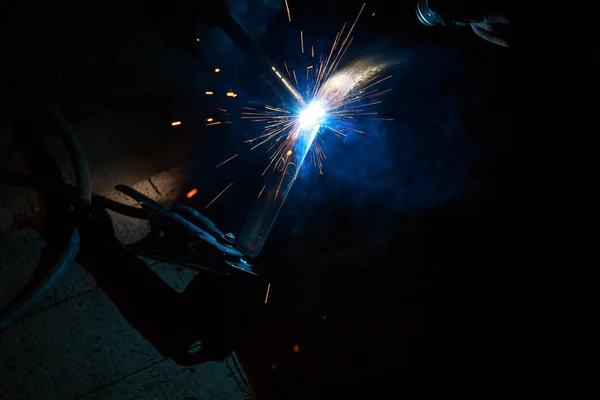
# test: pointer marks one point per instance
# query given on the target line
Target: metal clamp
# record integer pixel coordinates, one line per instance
(177, 237)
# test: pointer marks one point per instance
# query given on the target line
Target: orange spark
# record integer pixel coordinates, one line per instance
(209, 120)
(288, 11)
(209, 93)
(226, 161)
(261, 190)
(268, 290)
(191, 193)
(219, 195)
(217, 70)
(175, 123)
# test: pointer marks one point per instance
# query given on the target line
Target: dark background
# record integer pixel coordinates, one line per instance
(414, 265)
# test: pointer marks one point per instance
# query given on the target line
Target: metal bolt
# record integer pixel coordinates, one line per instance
(229, 238)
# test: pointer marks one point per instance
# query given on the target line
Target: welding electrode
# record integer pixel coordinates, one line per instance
(274, 78)
(177, 27)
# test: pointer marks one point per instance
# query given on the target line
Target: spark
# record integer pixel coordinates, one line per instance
(287, 7)
(261, 191)
(217, 70)
(334, 97)
(226, 161)
(214, 123)
(175, 123)
(197, 39)
(209, 120)
(209, 93)
(286, 69)
(268, 290)
(219, 195)
(191, 193)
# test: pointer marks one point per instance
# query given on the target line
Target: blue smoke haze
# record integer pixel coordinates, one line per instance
(431, 153)
(421, 159)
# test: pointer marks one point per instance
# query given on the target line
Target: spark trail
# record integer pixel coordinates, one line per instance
(336, 98)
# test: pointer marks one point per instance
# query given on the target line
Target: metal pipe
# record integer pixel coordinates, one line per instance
(266, 208)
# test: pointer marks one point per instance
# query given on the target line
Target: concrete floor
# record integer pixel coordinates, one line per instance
(76, 345)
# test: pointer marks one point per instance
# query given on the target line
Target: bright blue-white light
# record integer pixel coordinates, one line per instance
(312, 115)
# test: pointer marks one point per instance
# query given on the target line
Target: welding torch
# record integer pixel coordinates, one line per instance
(177, 27)
(482, 16)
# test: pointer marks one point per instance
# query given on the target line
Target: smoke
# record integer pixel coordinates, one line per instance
(422, 159)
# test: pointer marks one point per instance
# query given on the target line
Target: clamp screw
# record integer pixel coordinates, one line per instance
(229, 238)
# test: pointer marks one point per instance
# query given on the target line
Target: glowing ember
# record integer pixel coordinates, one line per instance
(191, 193)
(175, 123)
